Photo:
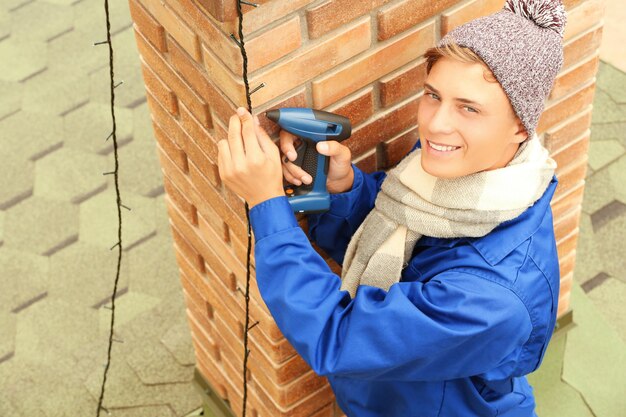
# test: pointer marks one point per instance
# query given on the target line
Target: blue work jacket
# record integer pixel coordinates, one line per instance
(455, 336)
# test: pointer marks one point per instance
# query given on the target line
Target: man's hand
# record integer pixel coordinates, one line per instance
(340, 176)
(249, 162)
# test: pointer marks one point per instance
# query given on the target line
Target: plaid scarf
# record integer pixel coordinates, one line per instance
(413, 203)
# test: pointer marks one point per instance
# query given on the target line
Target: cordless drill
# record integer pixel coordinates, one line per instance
(311, 126)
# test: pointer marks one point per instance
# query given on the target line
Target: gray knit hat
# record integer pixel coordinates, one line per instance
(522, 45)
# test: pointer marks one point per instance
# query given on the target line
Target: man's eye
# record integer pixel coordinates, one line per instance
(473, 110)
(431, 94)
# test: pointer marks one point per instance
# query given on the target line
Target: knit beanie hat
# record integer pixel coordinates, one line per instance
(522, 46)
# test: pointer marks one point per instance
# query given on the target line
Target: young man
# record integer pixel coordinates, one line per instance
(450, 279)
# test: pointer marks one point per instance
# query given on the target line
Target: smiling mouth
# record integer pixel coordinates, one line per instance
(441, 148)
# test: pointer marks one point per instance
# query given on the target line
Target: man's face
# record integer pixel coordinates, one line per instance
(485, 133)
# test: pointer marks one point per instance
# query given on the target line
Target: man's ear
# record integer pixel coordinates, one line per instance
(521, 134)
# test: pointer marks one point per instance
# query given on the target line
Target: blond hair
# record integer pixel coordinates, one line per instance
(461, 53)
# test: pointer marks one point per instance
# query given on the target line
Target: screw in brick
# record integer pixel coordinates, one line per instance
(100, 43)
(251, 327)
(258, 88)
(118, 84)
(114, 245)
(248, 3)
(108, 137)
(108, 173)
(232, 36)
(127, 208)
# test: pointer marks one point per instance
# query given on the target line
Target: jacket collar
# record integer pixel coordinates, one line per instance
(508, 235)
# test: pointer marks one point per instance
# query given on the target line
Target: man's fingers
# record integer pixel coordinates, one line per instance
(235, 143)
(286, 144)
(341, 153)
(267, 144)
(223, 158)
(250, 139)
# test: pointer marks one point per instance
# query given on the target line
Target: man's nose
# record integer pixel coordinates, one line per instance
(441, 121)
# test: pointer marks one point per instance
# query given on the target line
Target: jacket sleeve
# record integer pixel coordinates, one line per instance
(453, 326)
(333, 229)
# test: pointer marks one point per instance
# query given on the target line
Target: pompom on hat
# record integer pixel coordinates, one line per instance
(522, 46)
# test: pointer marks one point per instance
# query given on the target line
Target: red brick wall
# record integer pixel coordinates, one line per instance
(362, 59)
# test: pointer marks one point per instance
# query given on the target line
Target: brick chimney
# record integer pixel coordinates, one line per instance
(361, 59)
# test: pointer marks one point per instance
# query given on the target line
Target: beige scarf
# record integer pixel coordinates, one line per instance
(413, 203)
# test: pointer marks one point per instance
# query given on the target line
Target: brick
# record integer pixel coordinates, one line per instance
(229, 375)
(188, 209)
(202, 204)
(231, 301)
(581, 46)
(264, 373)
(398, 147)
(297, 99)
(169, 76)
(372, 65)
(571, 176)
(187, 230)
(568, 222)
(283, 38)
(177, 155)
(220, 131)
(467, 12)
(169, 126)
(326, 411)
(227, 82)
(566, 285)
(223, 250)
(222, 10)
(230, 330)
(159, 90)
(383, 126)
(560, 135)
(569, 154)
(566, 107)
(210, 194)
(266, 335)
(200, 147)
(147, 25)
(567, 244)
(199, 325)
(240, 248)
(357, 107)
(403, 15)
(196, 76)
(564, 302)
(332, 14)
(575, 77)
(174, 25)
(186, 250)
(311, 61)
(303, 408)
(566, 265)
(367, 162)
(210, 232)
(402, 83)
(208, 31)
(583, 17)
(566, 201)
(260, 17)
